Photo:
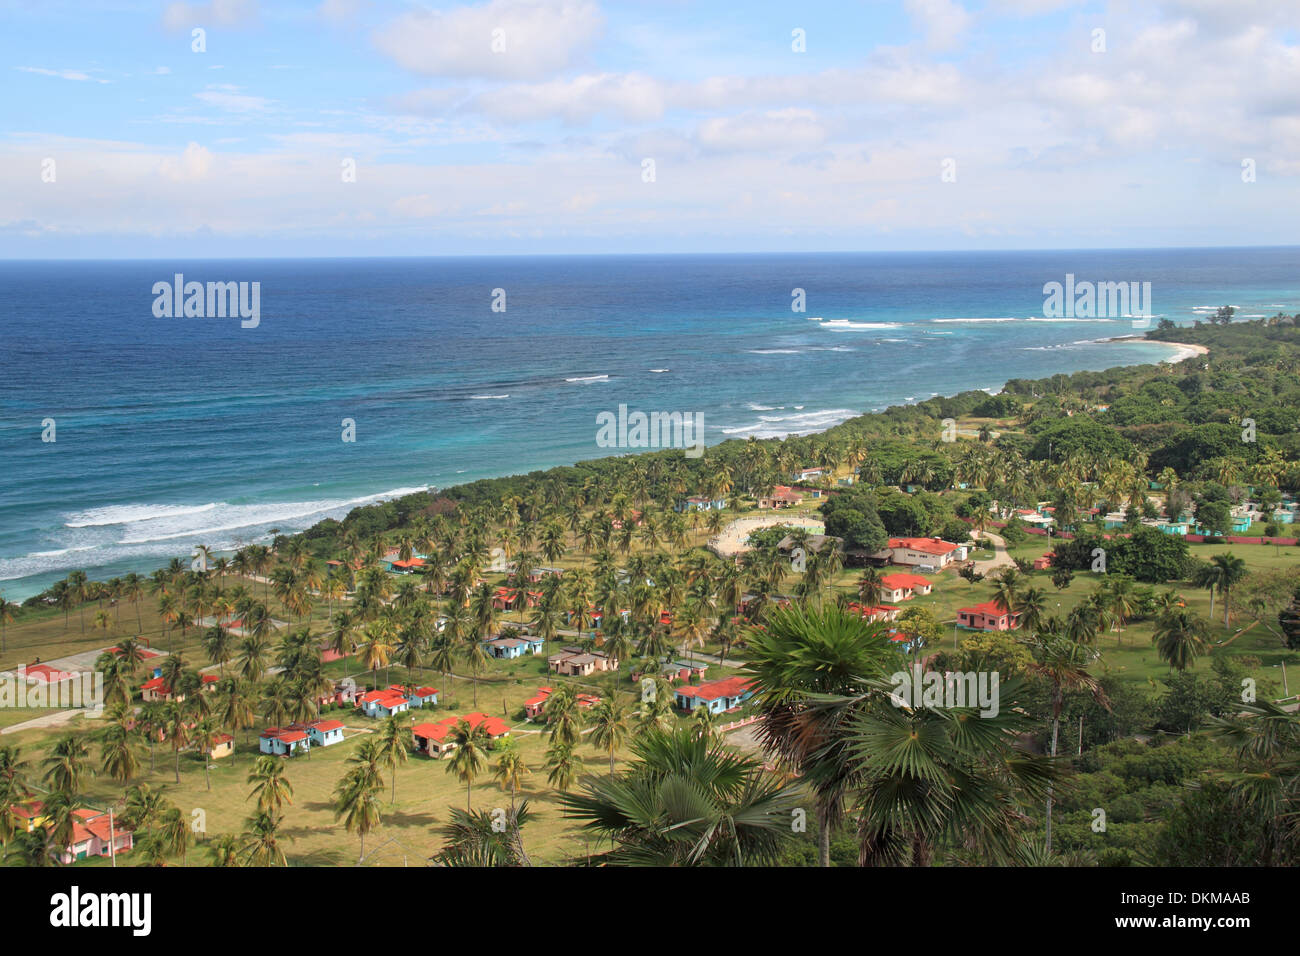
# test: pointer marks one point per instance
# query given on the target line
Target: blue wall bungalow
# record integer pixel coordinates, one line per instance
(283, 741)
(508, 648)
(700, 503)
(718, 696)
(323, 733)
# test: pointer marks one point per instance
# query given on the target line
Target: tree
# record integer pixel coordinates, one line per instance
(357, 804)
(272, 788)
(468, 759)
(510, 768)
(1063, 663)
(395, 742)
(118, 754)
(686, 801)
(262, 840)
(484, 839)
(65, 767)
(609, 728)
(802, 654)
(1180, 637)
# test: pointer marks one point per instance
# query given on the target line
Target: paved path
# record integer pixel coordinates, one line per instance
(55, 718)
(1000, 557)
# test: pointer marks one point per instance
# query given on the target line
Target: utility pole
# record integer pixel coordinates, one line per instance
(1081, 735)
(112, 838)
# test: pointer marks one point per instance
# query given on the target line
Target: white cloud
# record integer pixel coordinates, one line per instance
(944, 21)
(538, 38)
(226, 13)
(76, 75)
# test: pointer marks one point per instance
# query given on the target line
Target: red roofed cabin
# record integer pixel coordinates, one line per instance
(92, 835)
(933, 552)
(536, 705)
(153, 688)
(903, 587)
(1043, 562)
(989, 616)
(718, 696)
(782, 496)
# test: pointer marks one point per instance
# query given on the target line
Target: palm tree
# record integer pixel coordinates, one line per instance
(1064, 664)
(261, 840)
(224, 850)
(65, 767)
(510, 768)
(1180, 637)
(7, 610)
(609, 728)
(802, 654)
(118, 754)
(467, 760)
(273, 790)
(562, 765)
(395, 743)
(480, 839)
(1232, 570)
(926, 774)
(356, 803)
(686, 801)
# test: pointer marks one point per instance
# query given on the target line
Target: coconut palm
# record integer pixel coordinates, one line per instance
(484, 839)
(272, 788)
(119, 756)
(1180, 637)
(261, 844)
(395, 742)
(468, 759)
(1063, 663)
(609, 727)
(357, 804)
(510, 768)
(65, 766)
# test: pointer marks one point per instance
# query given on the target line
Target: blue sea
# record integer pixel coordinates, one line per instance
(172, 432)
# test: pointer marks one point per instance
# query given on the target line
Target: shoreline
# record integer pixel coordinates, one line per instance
(1182, 351)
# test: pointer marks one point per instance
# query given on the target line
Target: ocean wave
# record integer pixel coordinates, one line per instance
(777, 426)
(1005, 318)
(231, 517)
(486, 397)
(660, 371)
(129, 514)
(773, 351)
(589, 378)
(840, 325)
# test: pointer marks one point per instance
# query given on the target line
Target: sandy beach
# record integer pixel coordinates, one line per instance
(1182, 350)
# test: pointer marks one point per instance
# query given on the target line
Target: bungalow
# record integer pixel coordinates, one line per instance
(384, 703)
(323, 733)
(1181, 528)
(419, 696)
(536, 575)
(223, 745)
(903, 587)
(433, 739)
(344, 692)
(575, 662)
(717, 696)
(810, 474)
(154, 690)
(812, 544)
(683, 670)
(932, 552)
(782, 496)
(536, 705)
(494, 727)
(505, 599)
(508, 648)
(1044, 561)
(409, 566)
(634, 516)
(283, 741)
(989, 616)
(700, 503)
(881, 612)
(95, 833)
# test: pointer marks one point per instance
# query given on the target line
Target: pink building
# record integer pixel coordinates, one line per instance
(989, 616)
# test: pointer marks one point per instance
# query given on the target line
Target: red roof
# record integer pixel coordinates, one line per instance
(924, 545)
(727, 687)
(154, 684)
(411, 563)
(495, 726)
(904, 581)
(436, 732)
(988, 608)
(324, 725)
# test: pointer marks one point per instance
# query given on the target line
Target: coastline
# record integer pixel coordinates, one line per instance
(1182, 350)
(15, 587)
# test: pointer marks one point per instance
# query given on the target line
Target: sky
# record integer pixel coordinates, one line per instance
(367, 128)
